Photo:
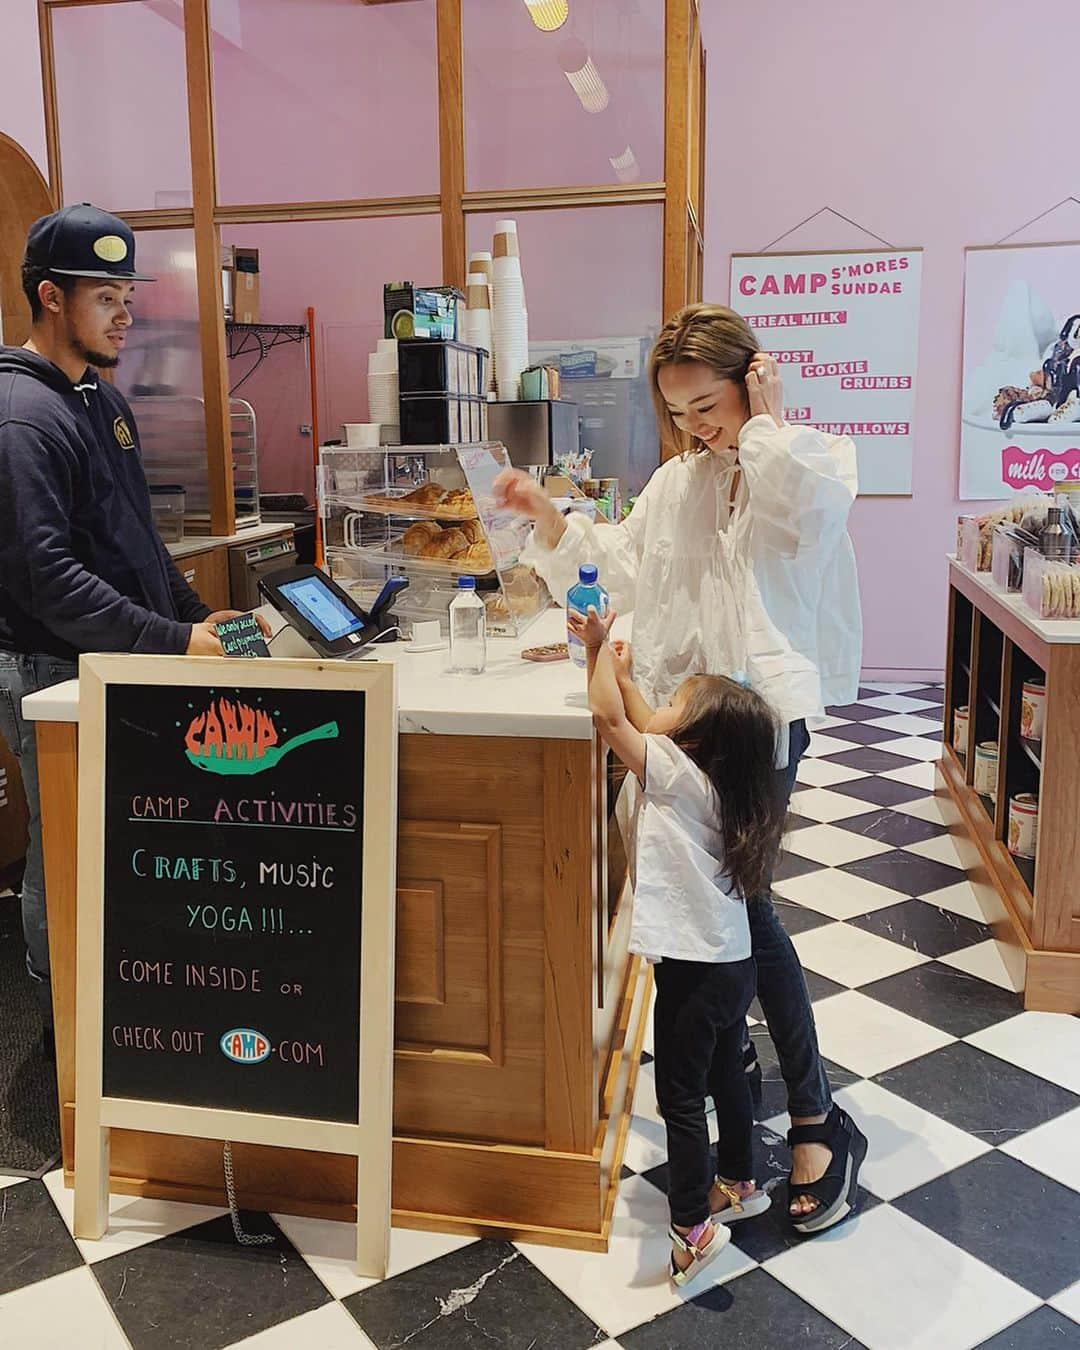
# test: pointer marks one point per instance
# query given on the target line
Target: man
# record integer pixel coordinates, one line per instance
(82, 567)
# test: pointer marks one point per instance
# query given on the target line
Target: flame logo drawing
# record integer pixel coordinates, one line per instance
(234, 738)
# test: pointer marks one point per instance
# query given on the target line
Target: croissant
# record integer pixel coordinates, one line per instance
(417, 536)
(428, 494)
(473, 531)
(446, 545)
(476, 555)
(460, 500)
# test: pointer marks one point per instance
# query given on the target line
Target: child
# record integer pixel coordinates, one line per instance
(707, 835)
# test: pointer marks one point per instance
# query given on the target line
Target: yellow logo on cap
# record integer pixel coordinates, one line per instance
(122, 432)
(111, 248)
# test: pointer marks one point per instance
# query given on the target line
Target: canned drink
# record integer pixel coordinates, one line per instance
(960, 730)
(1023, 824)
(986, 769)
(1033, 710)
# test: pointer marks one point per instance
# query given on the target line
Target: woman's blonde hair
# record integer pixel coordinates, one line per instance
(712, 334)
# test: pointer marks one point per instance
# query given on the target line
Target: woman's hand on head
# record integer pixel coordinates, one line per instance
(765, 388)
(590, 628)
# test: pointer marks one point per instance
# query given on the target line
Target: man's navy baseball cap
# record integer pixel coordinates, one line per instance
(83, 241)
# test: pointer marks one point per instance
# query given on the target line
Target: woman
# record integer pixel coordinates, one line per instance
(736, 561)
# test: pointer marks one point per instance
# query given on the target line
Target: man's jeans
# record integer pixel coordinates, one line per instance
(21, 675)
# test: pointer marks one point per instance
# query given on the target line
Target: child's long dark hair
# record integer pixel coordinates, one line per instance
(730, 734)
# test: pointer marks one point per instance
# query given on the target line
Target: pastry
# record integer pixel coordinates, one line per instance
(473, 531)
(447, 544)
(428, 494)
(459, 502)
(556, 651)
(417, 536)
(476, 555)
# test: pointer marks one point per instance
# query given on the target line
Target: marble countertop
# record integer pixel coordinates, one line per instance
(1049, 630)
(512, 698)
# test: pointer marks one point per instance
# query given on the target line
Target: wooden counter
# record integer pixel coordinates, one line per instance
(994, 644)
(519, 1014)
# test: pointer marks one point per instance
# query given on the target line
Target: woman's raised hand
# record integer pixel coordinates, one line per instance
(519, 492)
(590, 628)
(765, 388)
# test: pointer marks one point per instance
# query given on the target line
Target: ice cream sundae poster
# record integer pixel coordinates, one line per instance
(1020, 413)
(845, 329)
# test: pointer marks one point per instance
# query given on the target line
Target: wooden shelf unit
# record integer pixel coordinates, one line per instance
(993, 647)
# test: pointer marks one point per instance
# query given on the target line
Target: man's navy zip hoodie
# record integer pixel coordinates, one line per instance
(82, 567)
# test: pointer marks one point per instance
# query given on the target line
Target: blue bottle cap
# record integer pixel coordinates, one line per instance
(587, 574)
(466, 583)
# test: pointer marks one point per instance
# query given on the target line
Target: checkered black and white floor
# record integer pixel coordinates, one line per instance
(967, 1228)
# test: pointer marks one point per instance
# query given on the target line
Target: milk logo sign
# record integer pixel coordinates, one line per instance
(244, 1046)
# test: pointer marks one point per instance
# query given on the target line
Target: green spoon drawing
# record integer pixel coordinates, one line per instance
(273, 754)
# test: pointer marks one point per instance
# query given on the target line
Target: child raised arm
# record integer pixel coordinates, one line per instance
(607, 694)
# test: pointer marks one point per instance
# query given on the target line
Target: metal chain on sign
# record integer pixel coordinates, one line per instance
(245, 1239)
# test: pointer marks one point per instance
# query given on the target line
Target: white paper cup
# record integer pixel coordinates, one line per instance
(361, 435)
(383, 363)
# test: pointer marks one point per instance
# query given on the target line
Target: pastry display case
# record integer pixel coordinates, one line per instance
(427, 513)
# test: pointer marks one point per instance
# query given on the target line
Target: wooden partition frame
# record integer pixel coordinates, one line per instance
(681, 191)
(370, 1138)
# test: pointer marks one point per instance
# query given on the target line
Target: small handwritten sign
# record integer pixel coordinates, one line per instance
(242, 636)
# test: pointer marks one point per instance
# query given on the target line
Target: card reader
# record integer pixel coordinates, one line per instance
(326, 615)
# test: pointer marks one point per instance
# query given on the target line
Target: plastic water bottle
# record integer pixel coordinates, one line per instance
(468, 630)
(587, 592)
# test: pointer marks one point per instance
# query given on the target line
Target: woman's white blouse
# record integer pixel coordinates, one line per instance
(765, 586)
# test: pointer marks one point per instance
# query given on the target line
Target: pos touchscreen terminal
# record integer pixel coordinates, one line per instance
(327, 616)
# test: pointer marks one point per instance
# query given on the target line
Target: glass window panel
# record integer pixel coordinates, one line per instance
(581, 105)
(121, 94)
(339, 267)
(160, 372)
(324, 100)
(593, 280)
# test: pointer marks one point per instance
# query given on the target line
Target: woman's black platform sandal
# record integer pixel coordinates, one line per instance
(835, 1192)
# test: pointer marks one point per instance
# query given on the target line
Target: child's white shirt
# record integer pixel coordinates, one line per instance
(684, 904)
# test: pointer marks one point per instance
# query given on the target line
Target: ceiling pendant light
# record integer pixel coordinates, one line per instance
(548, 15)
(584, 78)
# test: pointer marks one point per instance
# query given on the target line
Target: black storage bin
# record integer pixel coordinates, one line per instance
(434, 366)
(442, 419)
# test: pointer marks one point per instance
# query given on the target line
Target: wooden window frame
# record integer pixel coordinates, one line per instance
(683, 183)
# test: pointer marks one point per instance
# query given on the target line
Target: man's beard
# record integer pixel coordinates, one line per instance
(102, 360)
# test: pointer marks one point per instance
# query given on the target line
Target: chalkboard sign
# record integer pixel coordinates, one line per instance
(237, 829)
(233, 870)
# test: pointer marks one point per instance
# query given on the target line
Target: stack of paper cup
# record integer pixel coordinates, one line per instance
(383, 391)
(510, 323)
(480, 263)
(478, 318)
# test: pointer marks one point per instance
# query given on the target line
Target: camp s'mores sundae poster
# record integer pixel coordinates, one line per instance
(1020, 412)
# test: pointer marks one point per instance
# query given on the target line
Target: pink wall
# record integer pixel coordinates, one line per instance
(930, 124)
(22, 114)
